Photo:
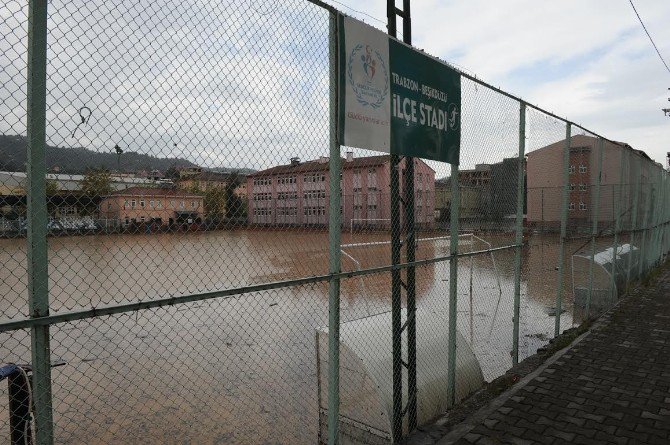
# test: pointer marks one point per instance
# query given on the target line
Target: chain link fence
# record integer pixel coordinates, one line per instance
(168, 249)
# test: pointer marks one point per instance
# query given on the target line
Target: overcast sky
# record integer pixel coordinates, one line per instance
(587, 60)
(244, 83)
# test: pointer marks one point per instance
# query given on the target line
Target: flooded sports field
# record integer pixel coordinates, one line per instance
(242, 369)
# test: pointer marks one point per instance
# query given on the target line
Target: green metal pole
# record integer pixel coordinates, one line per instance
(38, 273)
(658, 214)
(564, 223)
(453, 285)
(519, 232)
(594, 232)
(641, 269)
(635, 198)
(617, 202)
(334, 243)
(664, 220)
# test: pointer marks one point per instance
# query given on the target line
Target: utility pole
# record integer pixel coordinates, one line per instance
(397, 284)
(666, 111)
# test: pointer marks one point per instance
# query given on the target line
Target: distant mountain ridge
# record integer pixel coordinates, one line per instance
(76, 160)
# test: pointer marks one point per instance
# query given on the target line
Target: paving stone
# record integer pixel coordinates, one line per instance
(611, 388)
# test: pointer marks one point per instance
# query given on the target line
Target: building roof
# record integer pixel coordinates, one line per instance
(154, 191)
(207, 176)
(71, 183)
(322, 165)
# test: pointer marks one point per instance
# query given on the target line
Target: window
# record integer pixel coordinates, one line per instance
(133, 203)
(142, 203)
(125, 204)
(571, 187)
(582, 206)
(193, 203)
(109, 206)
(262, 181)
(158, 204)
(582, 187)
(172, 203)
(181, 205)
(582, 168)
(141, 218)
(571, 169)
(572, 206)
(151, 204)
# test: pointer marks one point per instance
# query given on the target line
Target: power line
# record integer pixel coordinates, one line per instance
(649, 35)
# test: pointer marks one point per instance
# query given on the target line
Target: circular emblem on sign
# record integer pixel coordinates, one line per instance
(454, 116)
(368, 77)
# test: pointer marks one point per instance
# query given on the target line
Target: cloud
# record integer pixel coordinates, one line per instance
(245, 84)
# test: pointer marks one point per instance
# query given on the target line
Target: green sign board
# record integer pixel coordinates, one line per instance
(395, 99)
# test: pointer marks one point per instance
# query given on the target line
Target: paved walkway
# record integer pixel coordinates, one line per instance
(612, 387)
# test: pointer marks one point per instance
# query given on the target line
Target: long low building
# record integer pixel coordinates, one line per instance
(298, 193)
(162, 206)
(15, 183)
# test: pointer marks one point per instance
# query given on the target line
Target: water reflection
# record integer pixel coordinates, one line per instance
(242, 369)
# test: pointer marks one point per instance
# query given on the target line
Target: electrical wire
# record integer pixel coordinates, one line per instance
(649, 35)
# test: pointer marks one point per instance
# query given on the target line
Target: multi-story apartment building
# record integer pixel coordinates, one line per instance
(298, 193)
(545, 181)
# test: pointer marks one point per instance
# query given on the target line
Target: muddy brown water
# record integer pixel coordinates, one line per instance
(240, 369)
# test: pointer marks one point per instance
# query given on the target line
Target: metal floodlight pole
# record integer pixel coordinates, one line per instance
(564, 223)
(334, 243)
(37, 268)
(595, 212)
(396, 245)
(519, 233)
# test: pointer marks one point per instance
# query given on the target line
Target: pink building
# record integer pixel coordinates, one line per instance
(162, 206)
(298, 193)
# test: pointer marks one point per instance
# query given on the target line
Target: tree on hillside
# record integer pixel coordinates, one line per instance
(215, 203)
(52, 190)
(52, 187)
(234, 205)
(96, 183)
(172, 172)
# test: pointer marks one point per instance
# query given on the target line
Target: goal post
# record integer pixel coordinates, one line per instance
(367, 222)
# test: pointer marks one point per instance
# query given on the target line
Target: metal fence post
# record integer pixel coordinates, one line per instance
(617, 201)
(564, 222)
(641, 269)
(453, 284)
(334, 242)
(633, 227)
(594, 232)
(519, 232)
(38, 280)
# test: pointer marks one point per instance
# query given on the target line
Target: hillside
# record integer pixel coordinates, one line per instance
(76, 160)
